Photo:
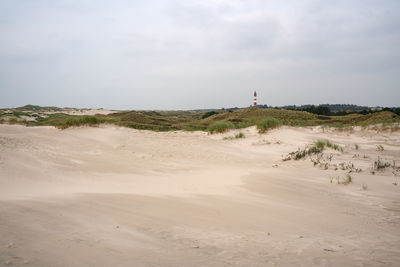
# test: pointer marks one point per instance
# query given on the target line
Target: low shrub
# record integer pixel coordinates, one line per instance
(208, 114)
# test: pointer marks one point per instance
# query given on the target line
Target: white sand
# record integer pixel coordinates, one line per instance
(114, 196)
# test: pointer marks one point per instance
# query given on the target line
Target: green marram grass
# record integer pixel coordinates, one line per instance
(266, 124)
(326, 143)
(312, 149)
(80, 121)
(220, 127)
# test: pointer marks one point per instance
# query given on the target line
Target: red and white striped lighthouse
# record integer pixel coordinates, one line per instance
(255, 99)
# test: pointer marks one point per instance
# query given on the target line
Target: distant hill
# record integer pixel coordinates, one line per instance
(332, 107)
(336, 109)
(38, 108)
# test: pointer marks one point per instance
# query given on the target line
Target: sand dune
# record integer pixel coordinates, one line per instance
(113, 196)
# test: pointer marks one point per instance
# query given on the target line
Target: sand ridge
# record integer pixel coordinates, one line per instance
(113, 196)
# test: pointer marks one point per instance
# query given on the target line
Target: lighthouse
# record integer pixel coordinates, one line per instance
(255, 99)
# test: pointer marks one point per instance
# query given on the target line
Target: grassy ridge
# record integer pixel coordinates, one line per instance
(216, 121)
(63, 121)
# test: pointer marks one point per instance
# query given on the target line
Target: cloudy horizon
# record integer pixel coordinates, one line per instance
(198, 54)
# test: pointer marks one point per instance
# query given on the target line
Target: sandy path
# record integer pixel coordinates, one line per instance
(113, 196)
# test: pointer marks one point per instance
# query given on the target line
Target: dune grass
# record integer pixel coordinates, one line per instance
(239, 135)
(63, 121)
(220, 127)
(213, 121)
(266, 124)
(312, 149)
(326, 143)
(80, 121)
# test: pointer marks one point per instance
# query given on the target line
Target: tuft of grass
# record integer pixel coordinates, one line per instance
(344, 181)
(220, 127)
(326, 143)
(333, 146)
(302, 153)
(320, 144)
(266, 124)
(315, 148)
(348, 179)
(240, 135)
(380, 165)
(364, 187)
(356, 146)
(380, 148)
(237, 136)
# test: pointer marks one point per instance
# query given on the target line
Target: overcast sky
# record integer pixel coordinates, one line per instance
(186, 54)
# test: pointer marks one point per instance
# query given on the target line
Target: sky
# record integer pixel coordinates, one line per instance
(194, 54)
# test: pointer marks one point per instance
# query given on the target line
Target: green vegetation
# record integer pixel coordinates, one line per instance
(302, 153)
(239, 135)
(208, 114)
(38, 108)
(326, 143)
(266, 124)
(213, 121)
(220, 126)
(63, 121)
(18, 114)
(79, 121)
(13, 121)
(380, 148)
(356, 146)
(312, 149)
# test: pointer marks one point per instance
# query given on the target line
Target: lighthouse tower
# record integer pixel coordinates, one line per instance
(255, 99)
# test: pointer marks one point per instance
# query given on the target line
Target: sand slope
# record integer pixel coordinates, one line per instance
(113, 196)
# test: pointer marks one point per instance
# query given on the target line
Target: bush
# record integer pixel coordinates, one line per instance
(220, 126)
(267, 124)
(208, 114)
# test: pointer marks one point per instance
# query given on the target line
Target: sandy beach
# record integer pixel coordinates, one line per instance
(113, 196)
